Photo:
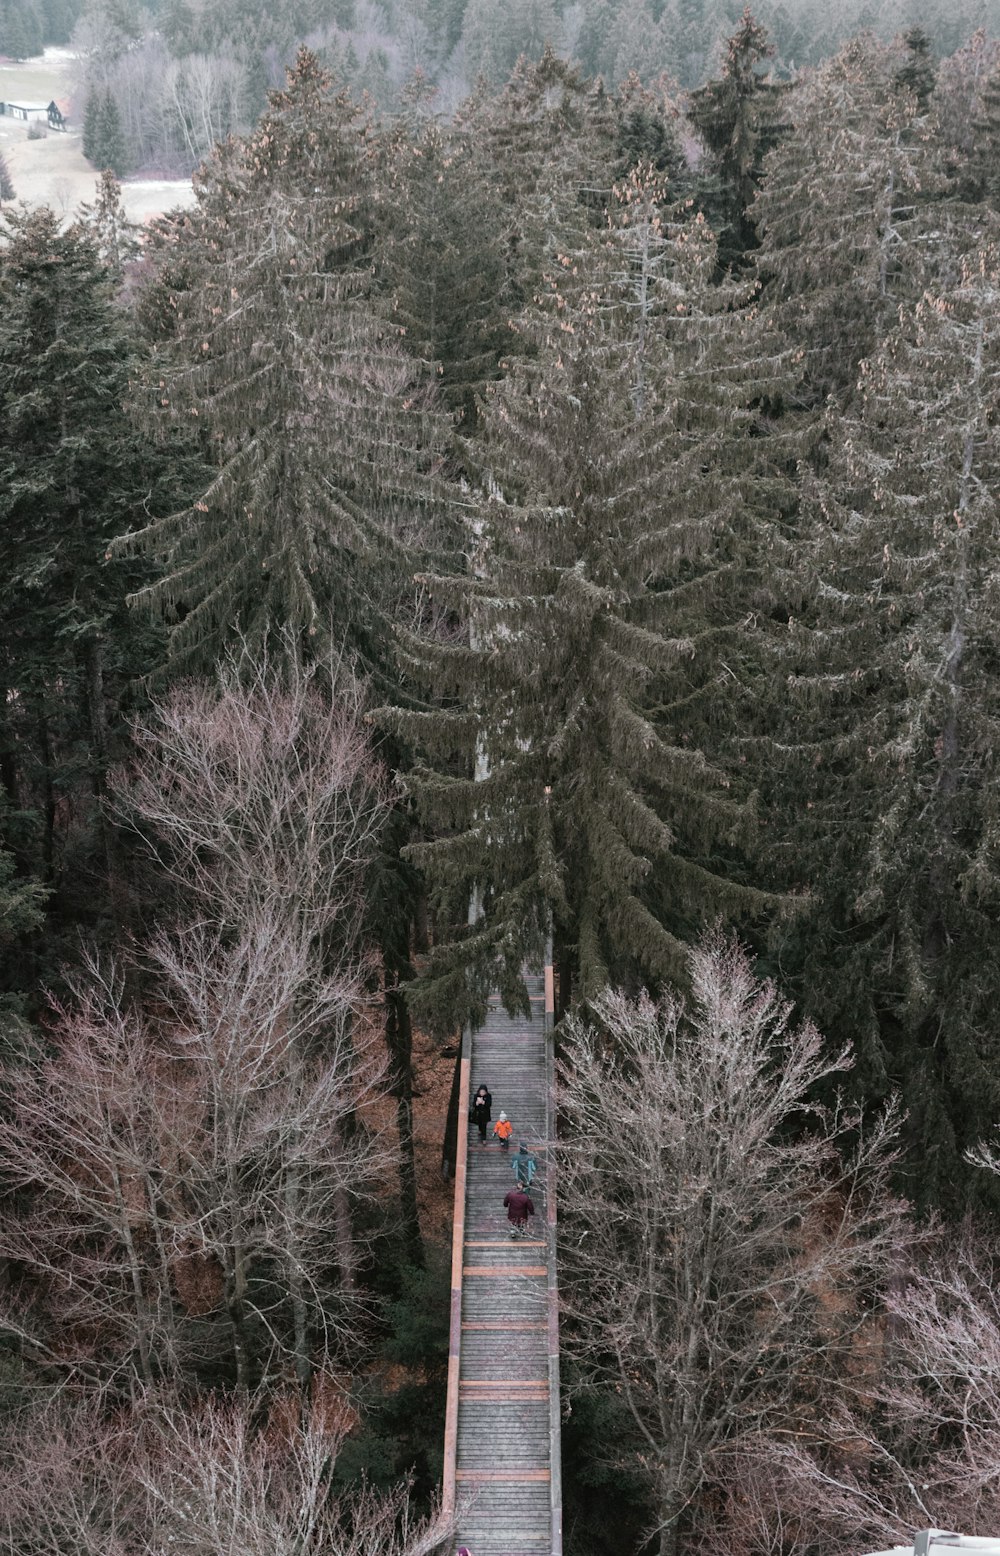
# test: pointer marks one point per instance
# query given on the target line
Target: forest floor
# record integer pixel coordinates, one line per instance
(432, 1085)
(53, 171)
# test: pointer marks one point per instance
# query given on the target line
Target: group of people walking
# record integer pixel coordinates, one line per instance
(517, 1202)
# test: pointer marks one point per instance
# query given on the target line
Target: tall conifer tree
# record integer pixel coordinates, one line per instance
(73, 473)
(445, 263)
(321, 434)
(739, 116)
(568, 774)
(547, 145)
(894, 669)
(843, 213)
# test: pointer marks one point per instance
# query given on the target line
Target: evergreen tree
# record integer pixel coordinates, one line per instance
(105, 222)
(495, 37)
(73, 473)
(547, 145)
(968, 129)
(982, 171)
(648, 135)
(690, 31)
(445, 18)
(319, 429)
(445, 264)
(58, 18)
(596, 23)
(107, 141)
(894, 665)
(917, 74)
(566, 773)
(22, 905)
(6, 182)
(844, 214)
(739, 118)
(89, 137)
(20, 29)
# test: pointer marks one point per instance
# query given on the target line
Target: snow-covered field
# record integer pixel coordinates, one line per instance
(52, 171)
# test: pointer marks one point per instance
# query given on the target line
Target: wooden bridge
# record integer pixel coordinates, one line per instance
(501, 1473)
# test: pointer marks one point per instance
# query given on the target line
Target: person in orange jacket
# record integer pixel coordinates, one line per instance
(503, 1129)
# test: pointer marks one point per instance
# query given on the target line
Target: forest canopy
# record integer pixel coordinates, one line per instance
(541, 494)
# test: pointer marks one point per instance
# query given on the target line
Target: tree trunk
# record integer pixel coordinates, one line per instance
(97, 723)
(49, 798)
(235, 1295)
(293, 1275)
(449, 1146)
(399, 1040)
(344, 1233)
(935, 937)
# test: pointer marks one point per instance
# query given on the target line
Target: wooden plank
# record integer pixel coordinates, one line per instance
(505, 1242)
(505, 1269)
(505, 1323)
(499, 1385)
(503, 1476)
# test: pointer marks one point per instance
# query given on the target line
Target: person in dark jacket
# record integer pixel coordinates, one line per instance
(479, 1113)
(519, 1207)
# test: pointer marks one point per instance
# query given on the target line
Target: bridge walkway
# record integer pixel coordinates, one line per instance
(502, 1476)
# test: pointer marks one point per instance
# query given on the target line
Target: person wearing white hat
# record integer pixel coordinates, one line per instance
(503, 1129)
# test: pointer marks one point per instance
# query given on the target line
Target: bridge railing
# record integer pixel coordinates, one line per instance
(457, 1258)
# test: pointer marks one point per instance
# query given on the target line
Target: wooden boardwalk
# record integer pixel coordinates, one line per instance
(501, 1474)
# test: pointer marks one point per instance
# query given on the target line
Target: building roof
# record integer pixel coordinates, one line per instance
(939, 1542)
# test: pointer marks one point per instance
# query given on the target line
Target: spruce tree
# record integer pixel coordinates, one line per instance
(917, 73)
(109, 148)
(546, 143)
(968, 128)
(6, 182)
(495, 38)
(568, 771)
(320, 430)
(982, 170)
(647, 134)
(58, 18)
(739, 116)
(73, 473)
(445, 264)
(89, 137)
(890, 756)
(106, 223)
(844, 214)
(20, 30)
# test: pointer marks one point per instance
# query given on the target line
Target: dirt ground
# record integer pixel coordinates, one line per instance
(52, 171)
(432, 1086)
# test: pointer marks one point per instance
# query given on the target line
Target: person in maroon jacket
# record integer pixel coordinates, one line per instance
(519, 1207)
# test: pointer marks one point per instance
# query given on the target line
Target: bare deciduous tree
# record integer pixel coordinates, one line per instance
(216, 1482)
(211, 1480)
(220, 1137)
(718, 1223)
(86, 1136)
(912, 1442)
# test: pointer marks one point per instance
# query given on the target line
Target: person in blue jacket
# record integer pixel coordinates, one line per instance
(524, 1166)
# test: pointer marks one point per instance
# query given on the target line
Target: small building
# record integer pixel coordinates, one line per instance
(58, 112)
(29, 113)
(942, 1542)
